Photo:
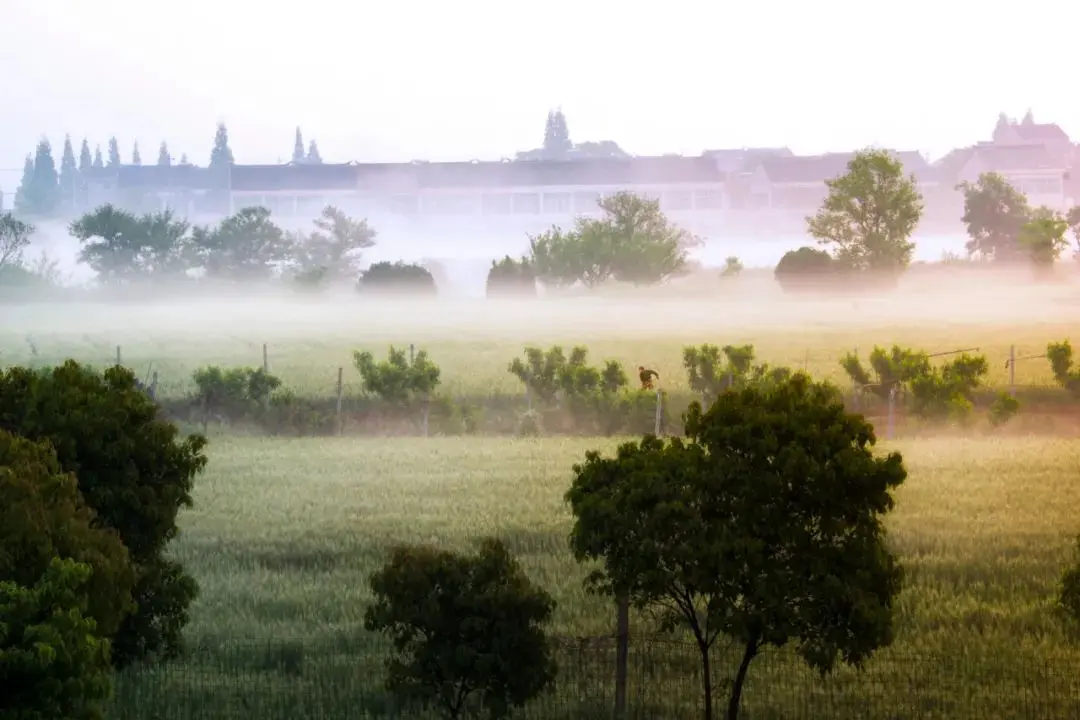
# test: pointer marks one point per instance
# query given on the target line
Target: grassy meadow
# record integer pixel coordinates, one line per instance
(284, 533)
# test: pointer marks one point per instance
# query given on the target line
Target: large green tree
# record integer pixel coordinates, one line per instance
(122, 247)
(39, 191)
(994, 213)
(335, 247)
(133, 469)
(870, 214)
(633, 242)
(468, 632)
(244, 246)
(763, 525)
(1043, 237)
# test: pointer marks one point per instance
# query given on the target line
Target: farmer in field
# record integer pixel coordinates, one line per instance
(647, 376)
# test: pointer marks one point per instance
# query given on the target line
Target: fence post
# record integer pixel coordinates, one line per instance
(340, 394)
(659, 412)
(153, 386)
(1012, 370)
(118, 363)
(622, 654)
(892, 403)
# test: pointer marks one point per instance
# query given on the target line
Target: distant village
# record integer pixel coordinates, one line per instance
(744, 191)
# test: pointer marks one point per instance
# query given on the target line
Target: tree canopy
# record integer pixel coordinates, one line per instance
(763, 525)
(994, 212)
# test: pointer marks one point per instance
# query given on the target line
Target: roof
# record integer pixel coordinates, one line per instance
(410, 177)
(1006, 158)
(1040, 132)
(818, 168)
(732, 160)
(184, 177)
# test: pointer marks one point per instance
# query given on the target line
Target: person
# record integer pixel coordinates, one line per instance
(647, 376)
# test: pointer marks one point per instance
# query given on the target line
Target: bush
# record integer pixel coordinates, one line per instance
(236, 393)
(43, 516)
(509, 278)
(133, 470)
(397, 279)
(468, 631)
(805, 269)
(53, 663)
(1003, 409)
(1061, 362)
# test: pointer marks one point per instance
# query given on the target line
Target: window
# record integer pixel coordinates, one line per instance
(558, 203)
(585, 202)
(708, 200)
(677, 200)
(498, 204)
(526, 203)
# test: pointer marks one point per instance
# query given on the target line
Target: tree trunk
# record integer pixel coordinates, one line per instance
(706, 678)
(740, 678)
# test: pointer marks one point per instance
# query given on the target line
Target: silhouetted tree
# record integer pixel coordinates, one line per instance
(164, 159)
(68, 174)
(298, 148)
(114, 153)
(313, 156)
(98, 162)
(136, 158)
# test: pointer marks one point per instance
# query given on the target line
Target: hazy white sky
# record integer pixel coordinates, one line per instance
(475, 78)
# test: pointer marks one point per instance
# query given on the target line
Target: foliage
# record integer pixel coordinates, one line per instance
(164, 159)
(298, 148)
(1069, 587)
(1043, 237)
(133, 470)
(14, 239)
(764, 525)
(114, 153)
(1060, 355)
(890, 369)
(557, 142)
(509, 278)
(1003, 409)
(398, 380)
(634, 242)
(870, 214)
(994, 213)
(385, 278)
(121, 246)
(234, 392)
(67, 179)
(803, 269)
(733, 267)
(1073, 219)
(244, 246)
(53, 664)
(43, 516)
(468, 631)
(709, 373)
(334, 248)
(221, 155)
(39, 192)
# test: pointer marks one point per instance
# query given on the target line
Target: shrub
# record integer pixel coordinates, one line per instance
(236, 393)
(133, 470)
(509, 278)
(1003, 409)
(397, 279)
(1061, 362)
(804, 269)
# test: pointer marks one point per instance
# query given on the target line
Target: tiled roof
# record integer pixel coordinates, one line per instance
(817, 168)
(293, 177)
(1040, 132)
(733, 160)
(1006, 158)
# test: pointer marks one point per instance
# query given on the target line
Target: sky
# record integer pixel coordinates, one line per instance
(474, 79)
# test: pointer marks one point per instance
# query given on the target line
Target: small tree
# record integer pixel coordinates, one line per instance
(1043, 237)
(509, 278)
(733, 267)
(397, 279)
(53, 663)
(398, 380)
(14, 239)
(994, 213)
(468, 631)
(334, 248)
(134, 470)
(235, 392)
(870, 214)
(804, 269)
(889, 369)
(245, 246)
(764, 525)
(298, 148)
(1060, 355)
(711, 369)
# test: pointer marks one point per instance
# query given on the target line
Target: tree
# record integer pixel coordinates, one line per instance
(24, 194)
(245, 246)
(69, 172)
(164, 159)
(121, 246)
(221, 155)
(634, 242)
(298, 148)
(733, 267)
(313, 156)
(335, 246)
(114, 153)
(183, 159)
(43, 516)
(1043, 236)
(398, 380)
(509, 278)
(468, 631)
(98, 162)
(85, 159)
(556, 136)
(53, 663)
(133, 469)
(870, 214)
(804, 269)
(994, 213)
(14, 239)
(398, 278)
(136, 158)
(763, 525)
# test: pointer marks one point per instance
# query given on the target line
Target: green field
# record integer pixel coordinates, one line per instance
(284, 533)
